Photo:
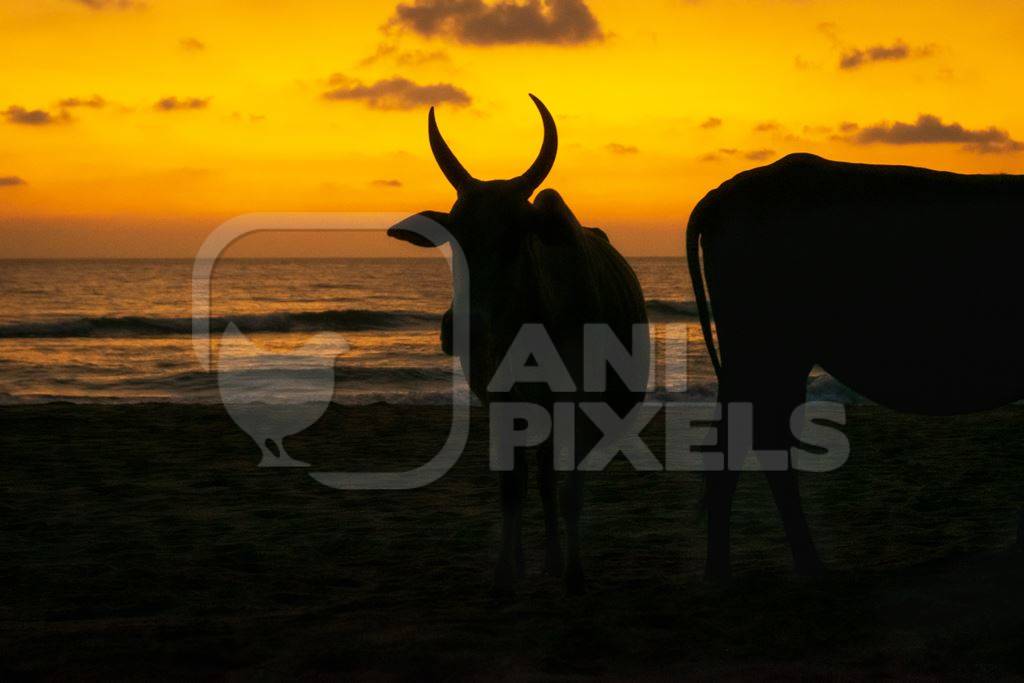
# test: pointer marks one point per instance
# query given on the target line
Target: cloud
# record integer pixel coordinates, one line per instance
(42, 117)
(898, 51)
(404, 57)
(759, 154)
(616, 148)
(112, 4)
(830, 30)
(33, 117)
(94, 102)
(560, 22)
(766, 127)
(805, 64)
(190, 44)
(11, 181)
(395, 93)
(712, 122)
(752, 155)
(250, 118)
(929, 129)
(418, 57)
(387, 183)
(174, 104)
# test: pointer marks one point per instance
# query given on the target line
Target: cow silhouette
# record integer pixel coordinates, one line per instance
(903, 283)
(533, 263)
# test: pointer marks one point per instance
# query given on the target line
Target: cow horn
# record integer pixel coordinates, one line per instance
(454, 171)
(536, 174)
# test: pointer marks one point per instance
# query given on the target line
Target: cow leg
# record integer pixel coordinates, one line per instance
(773, 383)
(510, 559)
(554, 564)
(719, 488)
(587, 435)
(523, 480)
(572, 507)
(776, 400)
(787, 500)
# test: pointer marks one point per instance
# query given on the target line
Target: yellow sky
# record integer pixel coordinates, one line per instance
(132, 179)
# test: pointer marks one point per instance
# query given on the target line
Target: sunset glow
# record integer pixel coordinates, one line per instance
(134, 129)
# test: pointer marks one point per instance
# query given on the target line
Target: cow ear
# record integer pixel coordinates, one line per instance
(424, 229)
(554, 223)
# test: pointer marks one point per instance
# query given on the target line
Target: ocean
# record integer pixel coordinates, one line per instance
(114, 331)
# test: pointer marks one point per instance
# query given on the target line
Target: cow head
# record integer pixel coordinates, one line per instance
(497, 228)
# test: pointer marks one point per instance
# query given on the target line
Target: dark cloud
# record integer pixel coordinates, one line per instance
(766, 127)
(712, 122)
(616, 148)
(387, 183)
(112, 4)
(898, 51)
(33, 117)
(848, 126)
(563, 22)
(174, 104)
(759, 154)
(11, 181)
(395, 93)
(191, 44)
(94, 102)
(929, 129)
(729, 150)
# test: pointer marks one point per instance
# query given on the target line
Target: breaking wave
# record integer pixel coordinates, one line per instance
(666, 310)
(349, 320)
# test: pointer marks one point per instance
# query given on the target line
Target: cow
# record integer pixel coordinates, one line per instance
(533, 263)
(903, 283)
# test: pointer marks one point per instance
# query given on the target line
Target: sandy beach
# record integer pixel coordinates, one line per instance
(143, 540)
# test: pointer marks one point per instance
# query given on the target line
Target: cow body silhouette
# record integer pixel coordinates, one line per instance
(533, 263)
(903, 283)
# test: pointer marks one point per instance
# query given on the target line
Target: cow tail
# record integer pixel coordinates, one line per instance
(693, 241)
(694, 233)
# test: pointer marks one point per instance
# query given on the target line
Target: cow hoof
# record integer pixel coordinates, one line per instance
(717, 573)
(504, 587)
(554, 565)
(502, 594)
(717, 578)
(811, 569)
(575, 584)
(505, 579)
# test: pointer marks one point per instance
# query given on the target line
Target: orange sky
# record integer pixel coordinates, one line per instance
(646, 96)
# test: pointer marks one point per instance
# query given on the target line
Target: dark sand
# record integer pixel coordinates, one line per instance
(144, 540)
